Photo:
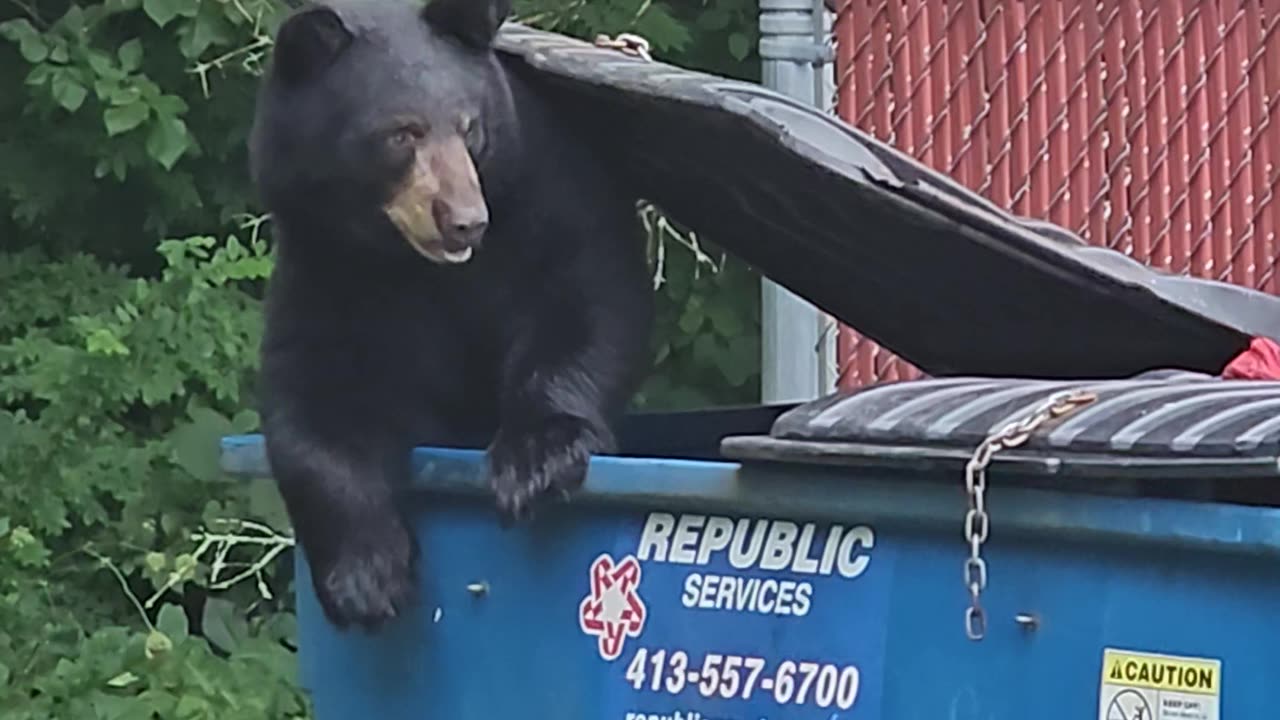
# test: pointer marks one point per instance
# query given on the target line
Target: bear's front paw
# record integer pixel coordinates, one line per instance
(370, 579)
(526, 466)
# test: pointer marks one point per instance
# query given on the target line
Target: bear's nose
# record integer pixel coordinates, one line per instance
(467, 233)
(461, 228)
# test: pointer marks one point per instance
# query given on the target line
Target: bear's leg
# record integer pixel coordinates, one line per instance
(578, 354)
(338, 484)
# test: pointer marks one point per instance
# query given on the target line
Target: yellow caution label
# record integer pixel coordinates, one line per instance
(1201, 676)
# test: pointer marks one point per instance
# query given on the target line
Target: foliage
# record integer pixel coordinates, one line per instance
(135, 581)
(708, 314)
(114, 390)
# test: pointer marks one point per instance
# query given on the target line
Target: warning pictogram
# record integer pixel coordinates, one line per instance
(613, 610)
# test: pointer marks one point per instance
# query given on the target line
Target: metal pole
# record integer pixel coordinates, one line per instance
(797, 341)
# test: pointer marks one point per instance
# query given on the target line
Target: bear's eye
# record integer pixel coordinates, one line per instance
(405, 136)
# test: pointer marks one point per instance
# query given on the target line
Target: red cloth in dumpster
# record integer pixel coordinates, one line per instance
(1260, 362)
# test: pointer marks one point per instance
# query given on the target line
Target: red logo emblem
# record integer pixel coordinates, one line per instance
(613, 610)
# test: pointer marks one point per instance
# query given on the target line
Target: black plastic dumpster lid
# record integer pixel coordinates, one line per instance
(903, 254)
(1132, 423)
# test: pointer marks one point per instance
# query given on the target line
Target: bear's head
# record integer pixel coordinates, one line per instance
(385, 117)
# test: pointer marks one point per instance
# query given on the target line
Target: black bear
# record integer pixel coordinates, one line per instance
(454, 268)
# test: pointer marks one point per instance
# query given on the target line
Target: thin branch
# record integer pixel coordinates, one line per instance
(31, 12)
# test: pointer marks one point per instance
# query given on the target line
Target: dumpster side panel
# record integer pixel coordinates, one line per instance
(714, 638)
(505, 629)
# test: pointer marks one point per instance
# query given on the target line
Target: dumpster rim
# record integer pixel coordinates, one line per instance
(780, 490)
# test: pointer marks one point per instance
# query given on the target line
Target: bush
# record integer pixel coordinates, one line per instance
(135, 580)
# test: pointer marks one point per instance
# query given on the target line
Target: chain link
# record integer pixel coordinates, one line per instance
(977, 522)
(627, 43)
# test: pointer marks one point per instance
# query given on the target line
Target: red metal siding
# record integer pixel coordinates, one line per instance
(1150, 126)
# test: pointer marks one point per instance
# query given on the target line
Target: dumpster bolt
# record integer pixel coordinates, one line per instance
(478, 588)
(1027, 620)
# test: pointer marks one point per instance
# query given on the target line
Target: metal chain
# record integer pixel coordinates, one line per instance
(626, 43)
(977, 522)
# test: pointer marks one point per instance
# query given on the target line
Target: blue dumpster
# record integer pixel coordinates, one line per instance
(815, 565)
(960, 548)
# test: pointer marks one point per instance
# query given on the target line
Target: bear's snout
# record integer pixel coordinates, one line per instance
(461, 227)
(439, 206)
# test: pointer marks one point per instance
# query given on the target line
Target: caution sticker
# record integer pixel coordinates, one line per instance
(1149, 686)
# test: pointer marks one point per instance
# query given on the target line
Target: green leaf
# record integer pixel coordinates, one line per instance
(663, 31)
(8, 431)
(706, 349)
(714, 19)
(33, 48)
(104, 342)
(245, 421)
(169, 105)
(27, 549)
(191, 706)
(130, 55)
(31, 42)
(69, 93)
(40, 74)
(742, 360)
(124, 95)
(16, 30)
(156, 561)
(725, 319)
(266, 504)
(690, 322)
(172, 621)
(107, 706)
(168, 140)
(739, 46)
(222, 624)
(103, 67)
(210, 27)
(125, 117)
(73, 20)
(197, 444)
(281, 627)
(161, 12)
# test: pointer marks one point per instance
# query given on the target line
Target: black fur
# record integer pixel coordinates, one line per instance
(536, 344)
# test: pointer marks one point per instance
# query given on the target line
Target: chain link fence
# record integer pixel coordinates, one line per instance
(1148, 126)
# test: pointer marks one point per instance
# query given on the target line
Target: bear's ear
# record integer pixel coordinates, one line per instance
(475, 22)
(308, 42)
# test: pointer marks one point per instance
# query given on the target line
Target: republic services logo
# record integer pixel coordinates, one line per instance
(613, 611)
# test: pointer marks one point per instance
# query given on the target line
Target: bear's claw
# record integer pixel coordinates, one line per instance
(530, 467)
(371, 581)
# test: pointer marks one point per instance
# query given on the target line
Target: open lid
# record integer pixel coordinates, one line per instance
(908, 257)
